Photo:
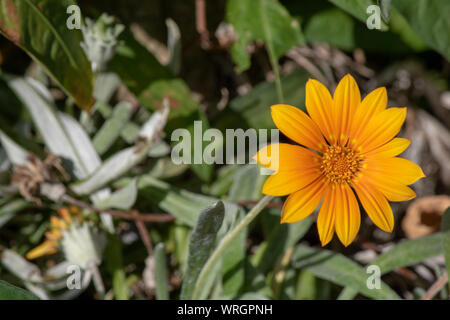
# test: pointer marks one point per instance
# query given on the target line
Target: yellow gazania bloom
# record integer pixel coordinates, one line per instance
(347, 147)
(53, 237)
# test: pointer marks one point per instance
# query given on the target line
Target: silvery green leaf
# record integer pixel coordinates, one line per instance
(182, 204)
(130, 132)
(162, 290)
(62, 134)
(409, 252)
(122, 199)
(16, 154)
(338, 269)
(111, 129)
(124, 160)
(154, 126)
(81, 143)
(174, 45)
(160, 149)
(8, 210)
(113, 168)
(106, 84)
(20, 267)
(37, 290)
(200, 245)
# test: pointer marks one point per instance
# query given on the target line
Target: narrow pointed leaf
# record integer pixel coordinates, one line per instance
(200, 245)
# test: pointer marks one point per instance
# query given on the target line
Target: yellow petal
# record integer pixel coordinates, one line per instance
(319, 103)
(380, 129)
(286, 182)
(372, 104)
(65, 214)
(396, 169)
(326, 218)
(391, 149)
(376, 205)
(346, 100)
(57, 223)
(46, 248)
(302, 203)
(392, 190)
(296, 125)
(53, 235)
(348, 217)
(286, 157)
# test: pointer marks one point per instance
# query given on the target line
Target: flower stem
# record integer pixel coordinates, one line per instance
(98, 282)
(226, 241)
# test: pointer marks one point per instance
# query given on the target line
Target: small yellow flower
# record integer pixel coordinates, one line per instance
(53, 237)
(348, 146)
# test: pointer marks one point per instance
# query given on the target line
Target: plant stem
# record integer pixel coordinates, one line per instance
(274, 63)
(271, 52)
(226, 241)
(98, 282)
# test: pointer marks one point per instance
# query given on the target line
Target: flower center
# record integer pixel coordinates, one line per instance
(340, 164)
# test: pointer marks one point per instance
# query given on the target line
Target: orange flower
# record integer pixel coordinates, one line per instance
(347, 147)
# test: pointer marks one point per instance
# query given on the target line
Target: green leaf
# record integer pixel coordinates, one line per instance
(429, 19)
(233, 262)
(39, 27)
(135, 65)
(358, 9)
(306, 286)
(106, 83)
(385, 6)
(224, 180)
(342, 36)
(121, 162)
(201, 243)
(9, 209)
(162, 287)
(409, 252)
(254, 107)
(114, 265)
(62, 134)
(112, 128)
(400, 26)
(348, 293)
(445, 240)
(281, 238)
(16, 154)
(177, 92)
(184, 110)
(338, 269)
(261, 20)
(10, 292)
(122, 199)
(247, 184)
(182, 204)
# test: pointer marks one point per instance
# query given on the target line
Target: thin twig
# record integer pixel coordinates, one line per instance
(143, 233)
(144, 217)
(436, 287)
(201, 24)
